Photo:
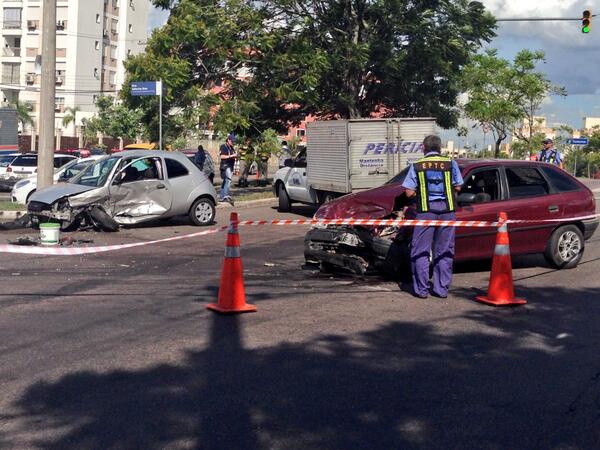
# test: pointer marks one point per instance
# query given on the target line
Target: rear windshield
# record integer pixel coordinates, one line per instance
(5, 160)
(25, 161)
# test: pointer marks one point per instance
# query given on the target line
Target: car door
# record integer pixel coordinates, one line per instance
(490, 198)
(296, 179)
(139, 190)
(530, 198)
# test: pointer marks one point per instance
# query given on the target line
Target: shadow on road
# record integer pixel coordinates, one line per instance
(402, 385)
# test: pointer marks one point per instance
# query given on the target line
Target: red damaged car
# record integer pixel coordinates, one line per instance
(525, 190)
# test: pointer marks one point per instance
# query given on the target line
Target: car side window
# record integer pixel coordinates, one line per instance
(525, 182)
(560, 181)
(300, 160)
(175, 168)
(485, 184)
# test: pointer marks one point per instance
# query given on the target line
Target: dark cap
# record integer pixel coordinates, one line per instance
(547, 141)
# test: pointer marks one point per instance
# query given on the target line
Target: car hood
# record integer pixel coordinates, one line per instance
(50, 194)
(372, 204)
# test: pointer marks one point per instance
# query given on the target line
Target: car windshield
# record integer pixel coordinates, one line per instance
(96, 174)
(399, 178)
(5, 160)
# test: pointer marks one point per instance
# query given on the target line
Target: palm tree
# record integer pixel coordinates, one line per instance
(70, 115)
(23, 113)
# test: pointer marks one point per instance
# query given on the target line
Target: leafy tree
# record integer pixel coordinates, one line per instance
(70, 115)
(501, 94)
(247, 67)
(23, 113)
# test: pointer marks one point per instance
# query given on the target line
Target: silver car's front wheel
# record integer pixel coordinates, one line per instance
(202, 212)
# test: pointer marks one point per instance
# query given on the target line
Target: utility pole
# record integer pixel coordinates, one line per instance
(45, 176)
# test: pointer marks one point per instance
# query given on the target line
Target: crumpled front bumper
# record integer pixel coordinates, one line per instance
(358, 250)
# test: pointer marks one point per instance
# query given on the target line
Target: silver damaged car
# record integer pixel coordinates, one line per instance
(128, 188)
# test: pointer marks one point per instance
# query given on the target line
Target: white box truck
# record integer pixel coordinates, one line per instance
(343, 156)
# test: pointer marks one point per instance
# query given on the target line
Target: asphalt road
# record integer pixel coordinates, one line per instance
(116, 350)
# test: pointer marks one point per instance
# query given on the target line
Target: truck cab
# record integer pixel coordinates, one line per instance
(290, 183)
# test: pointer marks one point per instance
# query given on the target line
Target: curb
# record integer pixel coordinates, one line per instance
(11, 215)
(247, 203)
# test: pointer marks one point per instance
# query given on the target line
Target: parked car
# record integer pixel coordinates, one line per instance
(25, 164)
(23, 189)
(78, 152)
(128, 187)
(5, 160)
(525, 190)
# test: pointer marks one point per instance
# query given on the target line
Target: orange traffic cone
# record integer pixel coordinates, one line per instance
(232, 297)
(500, 289)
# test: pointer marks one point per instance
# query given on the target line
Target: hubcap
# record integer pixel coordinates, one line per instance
(203, 212)
(569, 245)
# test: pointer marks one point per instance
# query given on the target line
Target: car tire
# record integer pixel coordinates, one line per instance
(565, 247)
(102, 220)
(202, 212)
(285, 205)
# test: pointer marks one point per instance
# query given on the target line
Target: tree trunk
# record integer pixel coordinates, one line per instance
(497, 148)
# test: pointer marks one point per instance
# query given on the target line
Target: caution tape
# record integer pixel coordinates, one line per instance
(73, 251)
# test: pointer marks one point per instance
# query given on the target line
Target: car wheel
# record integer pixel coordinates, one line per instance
(285, 205)
(102, 220)
(202, 212)
(565, 247)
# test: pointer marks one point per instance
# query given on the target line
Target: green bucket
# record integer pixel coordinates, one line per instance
(49, 233)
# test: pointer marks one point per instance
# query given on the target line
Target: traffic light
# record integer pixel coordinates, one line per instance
(586, 21)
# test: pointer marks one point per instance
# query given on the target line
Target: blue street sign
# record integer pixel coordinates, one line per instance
(578, 141)
(140, 88)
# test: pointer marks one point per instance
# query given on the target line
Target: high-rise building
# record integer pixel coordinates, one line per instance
(93, 39)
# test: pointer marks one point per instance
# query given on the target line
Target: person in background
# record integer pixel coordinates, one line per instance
(549, 154)
(228, 155)
(204, 161)
(246, 157)
(434, 180)
(286, 153)
(263, 165)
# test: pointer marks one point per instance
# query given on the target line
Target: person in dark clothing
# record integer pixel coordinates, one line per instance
(228, 156)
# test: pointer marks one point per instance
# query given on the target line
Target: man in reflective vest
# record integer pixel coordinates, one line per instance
(549, 154)
(434, 181)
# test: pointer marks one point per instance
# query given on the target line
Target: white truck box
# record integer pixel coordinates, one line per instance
(348, 155)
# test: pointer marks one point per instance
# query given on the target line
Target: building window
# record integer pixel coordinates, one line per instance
(128, 52)
(300, 133)
(97, 18)
(97, 45)
(95, 72)
(130, 28)
(12, 18)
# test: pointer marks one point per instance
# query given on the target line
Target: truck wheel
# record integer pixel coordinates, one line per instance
(326, 197)
(285, 205)
(564, 249)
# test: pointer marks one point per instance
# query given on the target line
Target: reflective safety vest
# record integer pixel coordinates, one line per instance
(549, 157)
(425, 170)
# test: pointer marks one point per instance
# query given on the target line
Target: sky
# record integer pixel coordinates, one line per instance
(572, 58)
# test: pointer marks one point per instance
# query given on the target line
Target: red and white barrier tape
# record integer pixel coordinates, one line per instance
(72, 251)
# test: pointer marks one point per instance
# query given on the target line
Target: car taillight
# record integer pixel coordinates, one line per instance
(9, 169)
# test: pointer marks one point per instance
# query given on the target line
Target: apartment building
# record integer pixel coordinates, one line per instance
(93, 38)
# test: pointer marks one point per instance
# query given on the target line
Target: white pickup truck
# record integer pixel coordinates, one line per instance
(343, 156)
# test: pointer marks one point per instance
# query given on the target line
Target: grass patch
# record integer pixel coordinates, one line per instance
(253, 196)
(10, 206)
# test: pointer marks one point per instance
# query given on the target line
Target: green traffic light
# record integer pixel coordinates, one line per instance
(585, 30)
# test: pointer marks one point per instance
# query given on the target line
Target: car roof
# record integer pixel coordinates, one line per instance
(473, 163)
(148, 154)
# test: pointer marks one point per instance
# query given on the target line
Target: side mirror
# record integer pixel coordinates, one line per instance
(288, 162)
(466, 198)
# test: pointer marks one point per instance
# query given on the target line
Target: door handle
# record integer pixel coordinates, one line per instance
(553, 208)
(160, 186)
(303, 174)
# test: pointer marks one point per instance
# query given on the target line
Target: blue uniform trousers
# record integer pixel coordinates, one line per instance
(441, 241)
